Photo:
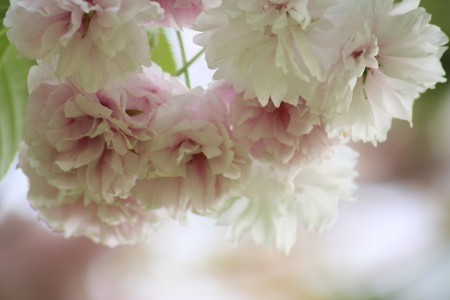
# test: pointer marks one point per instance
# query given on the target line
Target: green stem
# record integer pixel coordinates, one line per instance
(189, 63)
(183, 59)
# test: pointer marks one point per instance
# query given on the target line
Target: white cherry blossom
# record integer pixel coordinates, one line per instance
(272, 203)
(385, 56)
(266, 49)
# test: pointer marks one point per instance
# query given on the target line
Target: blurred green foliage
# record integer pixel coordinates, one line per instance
(4, 4)
(440, 12)
(161, 50)
(431, 102)
(13, 98)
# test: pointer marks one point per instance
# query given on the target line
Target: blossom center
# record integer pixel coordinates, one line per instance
(87, 17)
(357, 53)
(267, 5)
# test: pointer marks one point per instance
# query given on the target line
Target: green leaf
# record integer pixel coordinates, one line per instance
(162, 52)
(13, 98)
(4, 4)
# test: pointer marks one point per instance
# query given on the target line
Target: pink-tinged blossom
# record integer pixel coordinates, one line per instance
(170, 193)
(266, 49)
(224, 90)
(193, 144)
(272, 203)
(288, 136)
(94, 42)
(385, 55)
(72, 212)
(101, 138)
(179, 13)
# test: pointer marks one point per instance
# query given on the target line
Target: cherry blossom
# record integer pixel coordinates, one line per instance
(379, 69)
(272, 203)
(94, 42)
(266, 49)
(103, 137)
(71, 211)
(193, 144)
(288, 136)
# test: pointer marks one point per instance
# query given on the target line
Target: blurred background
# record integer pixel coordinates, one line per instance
(393, 243)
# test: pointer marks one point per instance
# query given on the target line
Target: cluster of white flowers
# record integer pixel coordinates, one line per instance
(113, 145)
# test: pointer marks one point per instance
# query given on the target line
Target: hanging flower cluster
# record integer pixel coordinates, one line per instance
(114, 145)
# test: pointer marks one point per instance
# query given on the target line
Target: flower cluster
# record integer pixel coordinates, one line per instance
(358, 64)
(114, 145)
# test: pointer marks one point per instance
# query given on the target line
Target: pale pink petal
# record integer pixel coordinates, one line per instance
(288, 136)
(179, 13)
